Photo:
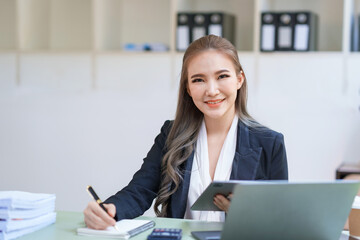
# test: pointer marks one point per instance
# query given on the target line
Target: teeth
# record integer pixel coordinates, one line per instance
(214, 102)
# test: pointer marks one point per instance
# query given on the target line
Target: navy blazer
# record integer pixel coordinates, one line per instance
(260, 155)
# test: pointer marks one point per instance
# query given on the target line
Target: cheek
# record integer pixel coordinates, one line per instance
(194, 92)
(230, 89)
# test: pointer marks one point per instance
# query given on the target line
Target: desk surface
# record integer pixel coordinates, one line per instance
(67, 223)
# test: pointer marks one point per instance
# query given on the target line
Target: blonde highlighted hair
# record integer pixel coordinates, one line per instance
(184, 131)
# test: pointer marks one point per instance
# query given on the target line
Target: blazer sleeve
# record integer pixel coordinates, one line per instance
(279, 167)
(133, 200)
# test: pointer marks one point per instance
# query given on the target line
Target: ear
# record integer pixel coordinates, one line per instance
(241, 78)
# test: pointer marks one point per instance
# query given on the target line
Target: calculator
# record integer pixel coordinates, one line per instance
(165, 234)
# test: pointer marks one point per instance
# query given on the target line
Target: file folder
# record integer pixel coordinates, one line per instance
(358, 34)
(183, 31)
(304, 31)
(199, 28)
(268, 31)
(285, 31)
(355, 34)
(222, 25)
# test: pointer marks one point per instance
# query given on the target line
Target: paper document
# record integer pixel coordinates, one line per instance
(25, 213)
(25, 200)
(16, 224)
(128, 228)
(21, 232)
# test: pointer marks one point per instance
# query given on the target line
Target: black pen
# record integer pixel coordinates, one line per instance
(97, 199)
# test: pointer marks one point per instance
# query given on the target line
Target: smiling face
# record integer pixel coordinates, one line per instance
(213, 84)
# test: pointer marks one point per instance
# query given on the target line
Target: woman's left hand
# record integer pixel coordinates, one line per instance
(222, 202)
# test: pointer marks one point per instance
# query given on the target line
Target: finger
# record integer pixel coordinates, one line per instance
(218, 202)
(222, 202)
(217, 205)
(92, 221)
(96, 217)
(99, 212)
(111, 209)
(95, 222)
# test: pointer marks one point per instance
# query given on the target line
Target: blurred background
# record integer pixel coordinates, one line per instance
(79, 107)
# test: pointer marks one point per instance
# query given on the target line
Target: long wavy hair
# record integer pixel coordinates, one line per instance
(184, 131)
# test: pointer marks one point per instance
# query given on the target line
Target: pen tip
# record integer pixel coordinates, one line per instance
(116, 228)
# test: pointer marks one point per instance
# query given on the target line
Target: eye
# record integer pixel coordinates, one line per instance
(223, 76)
(195, 80)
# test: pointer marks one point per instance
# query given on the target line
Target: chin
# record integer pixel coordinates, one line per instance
(214, 116)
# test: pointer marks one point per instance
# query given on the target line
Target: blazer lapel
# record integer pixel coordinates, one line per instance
(246, 159)
(245, 164)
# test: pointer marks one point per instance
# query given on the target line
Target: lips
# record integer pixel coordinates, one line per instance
(215, 101)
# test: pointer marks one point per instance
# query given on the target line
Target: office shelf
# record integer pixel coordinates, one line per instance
(330, 18)
(55, 25)
(118, 22)
(8, 25)
(243, 11)
(101, 27)
(106, 25)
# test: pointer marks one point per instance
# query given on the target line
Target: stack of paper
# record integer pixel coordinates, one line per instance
(23, 212)
(126, 228)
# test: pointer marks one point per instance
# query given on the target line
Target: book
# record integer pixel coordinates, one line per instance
(127, 227)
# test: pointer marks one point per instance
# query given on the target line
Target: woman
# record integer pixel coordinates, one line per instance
(212, 138)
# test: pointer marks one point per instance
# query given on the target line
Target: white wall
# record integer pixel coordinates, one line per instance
(58, 134)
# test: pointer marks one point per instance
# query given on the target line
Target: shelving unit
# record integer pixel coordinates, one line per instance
(65, 80)
(102, 27)
(53, 25)
(8, 39)
(243, 11)
(330, 18)
(118, 22)
(355, 23)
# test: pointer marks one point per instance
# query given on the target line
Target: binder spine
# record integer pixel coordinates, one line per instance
(285, 32)
(305, 31)
(268, 34)
(356, 34)
(314, 21)
(216, 24)
(200, 25)
(183, 31)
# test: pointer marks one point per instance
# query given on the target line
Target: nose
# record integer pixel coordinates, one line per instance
(212, 88)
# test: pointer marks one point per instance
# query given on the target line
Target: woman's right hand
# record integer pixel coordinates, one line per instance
(96, 218)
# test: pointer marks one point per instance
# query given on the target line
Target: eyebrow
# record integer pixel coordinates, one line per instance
(202, 75)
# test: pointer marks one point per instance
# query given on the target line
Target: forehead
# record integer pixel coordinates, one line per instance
(210, 60)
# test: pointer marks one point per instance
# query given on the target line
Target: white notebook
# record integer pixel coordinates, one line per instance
(127, 227)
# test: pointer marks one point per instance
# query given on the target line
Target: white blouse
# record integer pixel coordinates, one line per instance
(200, 175)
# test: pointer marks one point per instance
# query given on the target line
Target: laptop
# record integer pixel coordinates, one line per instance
(287, 210)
